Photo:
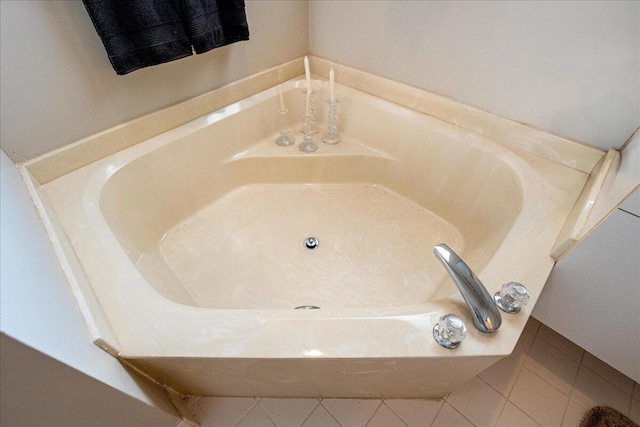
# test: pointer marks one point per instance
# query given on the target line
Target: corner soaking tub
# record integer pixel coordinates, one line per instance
(192, 243)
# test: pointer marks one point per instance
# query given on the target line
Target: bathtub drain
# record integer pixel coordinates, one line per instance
(311, 243)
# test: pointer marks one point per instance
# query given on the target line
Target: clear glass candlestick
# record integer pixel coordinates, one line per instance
(332, 136)
(307, 145)
(313, 125)
(284, 140)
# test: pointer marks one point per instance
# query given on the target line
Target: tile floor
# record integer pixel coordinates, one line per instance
(547, 381)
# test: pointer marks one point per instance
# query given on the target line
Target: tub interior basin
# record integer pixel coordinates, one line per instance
(216, 216)
(246, 250)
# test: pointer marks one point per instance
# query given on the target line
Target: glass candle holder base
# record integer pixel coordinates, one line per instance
(329, 140)
(285, 139)
(307, 145)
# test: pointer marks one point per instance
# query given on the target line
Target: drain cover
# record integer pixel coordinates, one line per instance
(307, 307)
(311, 243)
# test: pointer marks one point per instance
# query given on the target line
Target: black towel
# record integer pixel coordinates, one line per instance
(140, 33)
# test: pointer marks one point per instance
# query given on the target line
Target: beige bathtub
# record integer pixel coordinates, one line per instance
(185, 251)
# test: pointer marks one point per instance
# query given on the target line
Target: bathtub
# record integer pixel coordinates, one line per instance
(185, 250)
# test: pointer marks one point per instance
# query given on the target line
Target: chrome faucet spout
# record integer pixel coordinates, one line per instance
(484, 311)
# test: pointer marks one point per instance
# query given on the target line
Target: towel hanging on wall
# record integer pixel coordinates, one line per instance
(142, 33)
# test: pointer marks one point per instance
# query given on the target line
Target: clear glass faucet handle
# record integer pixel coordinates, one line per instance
(512, 297)
(450, 331)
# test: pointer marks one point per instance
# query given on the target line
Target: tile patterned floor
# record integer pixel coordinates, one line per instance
(547, 381)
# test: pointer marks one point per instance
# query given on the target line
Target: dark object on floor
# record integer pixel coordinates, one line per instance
(603, 416)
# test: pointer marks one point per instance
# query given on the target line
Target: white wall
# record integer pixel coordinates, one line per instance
(40, 391)
(571, 68)
(42, 330)
(592, 296)
(58, 86)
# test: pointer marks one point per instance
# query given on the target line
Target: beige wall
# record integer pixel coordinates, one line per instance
(571, 68)
(58, 86)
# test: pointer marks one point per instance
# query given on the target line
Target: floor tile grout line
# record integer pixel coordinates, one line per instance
(332, 416)
(526, 353)
(462, 415)
(535, 333)
(378, 408)
(577, 403)
(391, 409)
(573, 387)
(456, 409)
(514, 383)
(554, 387)
(516, 360)
(566, 409)
(568, 396)
(273, 421)
(266, 413)
(522, 409)
(520, 365)
(573, 382)
(557, 348)
(531, 416)
(533, 419)
(255, 403)
(539, 424)
(582, 355)
(374, 413)
(504, 405)
(603, 378)
(562, 351)
(191, 400)
(438, 412)
(579, 362)
(308, 416)
(201, 413)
